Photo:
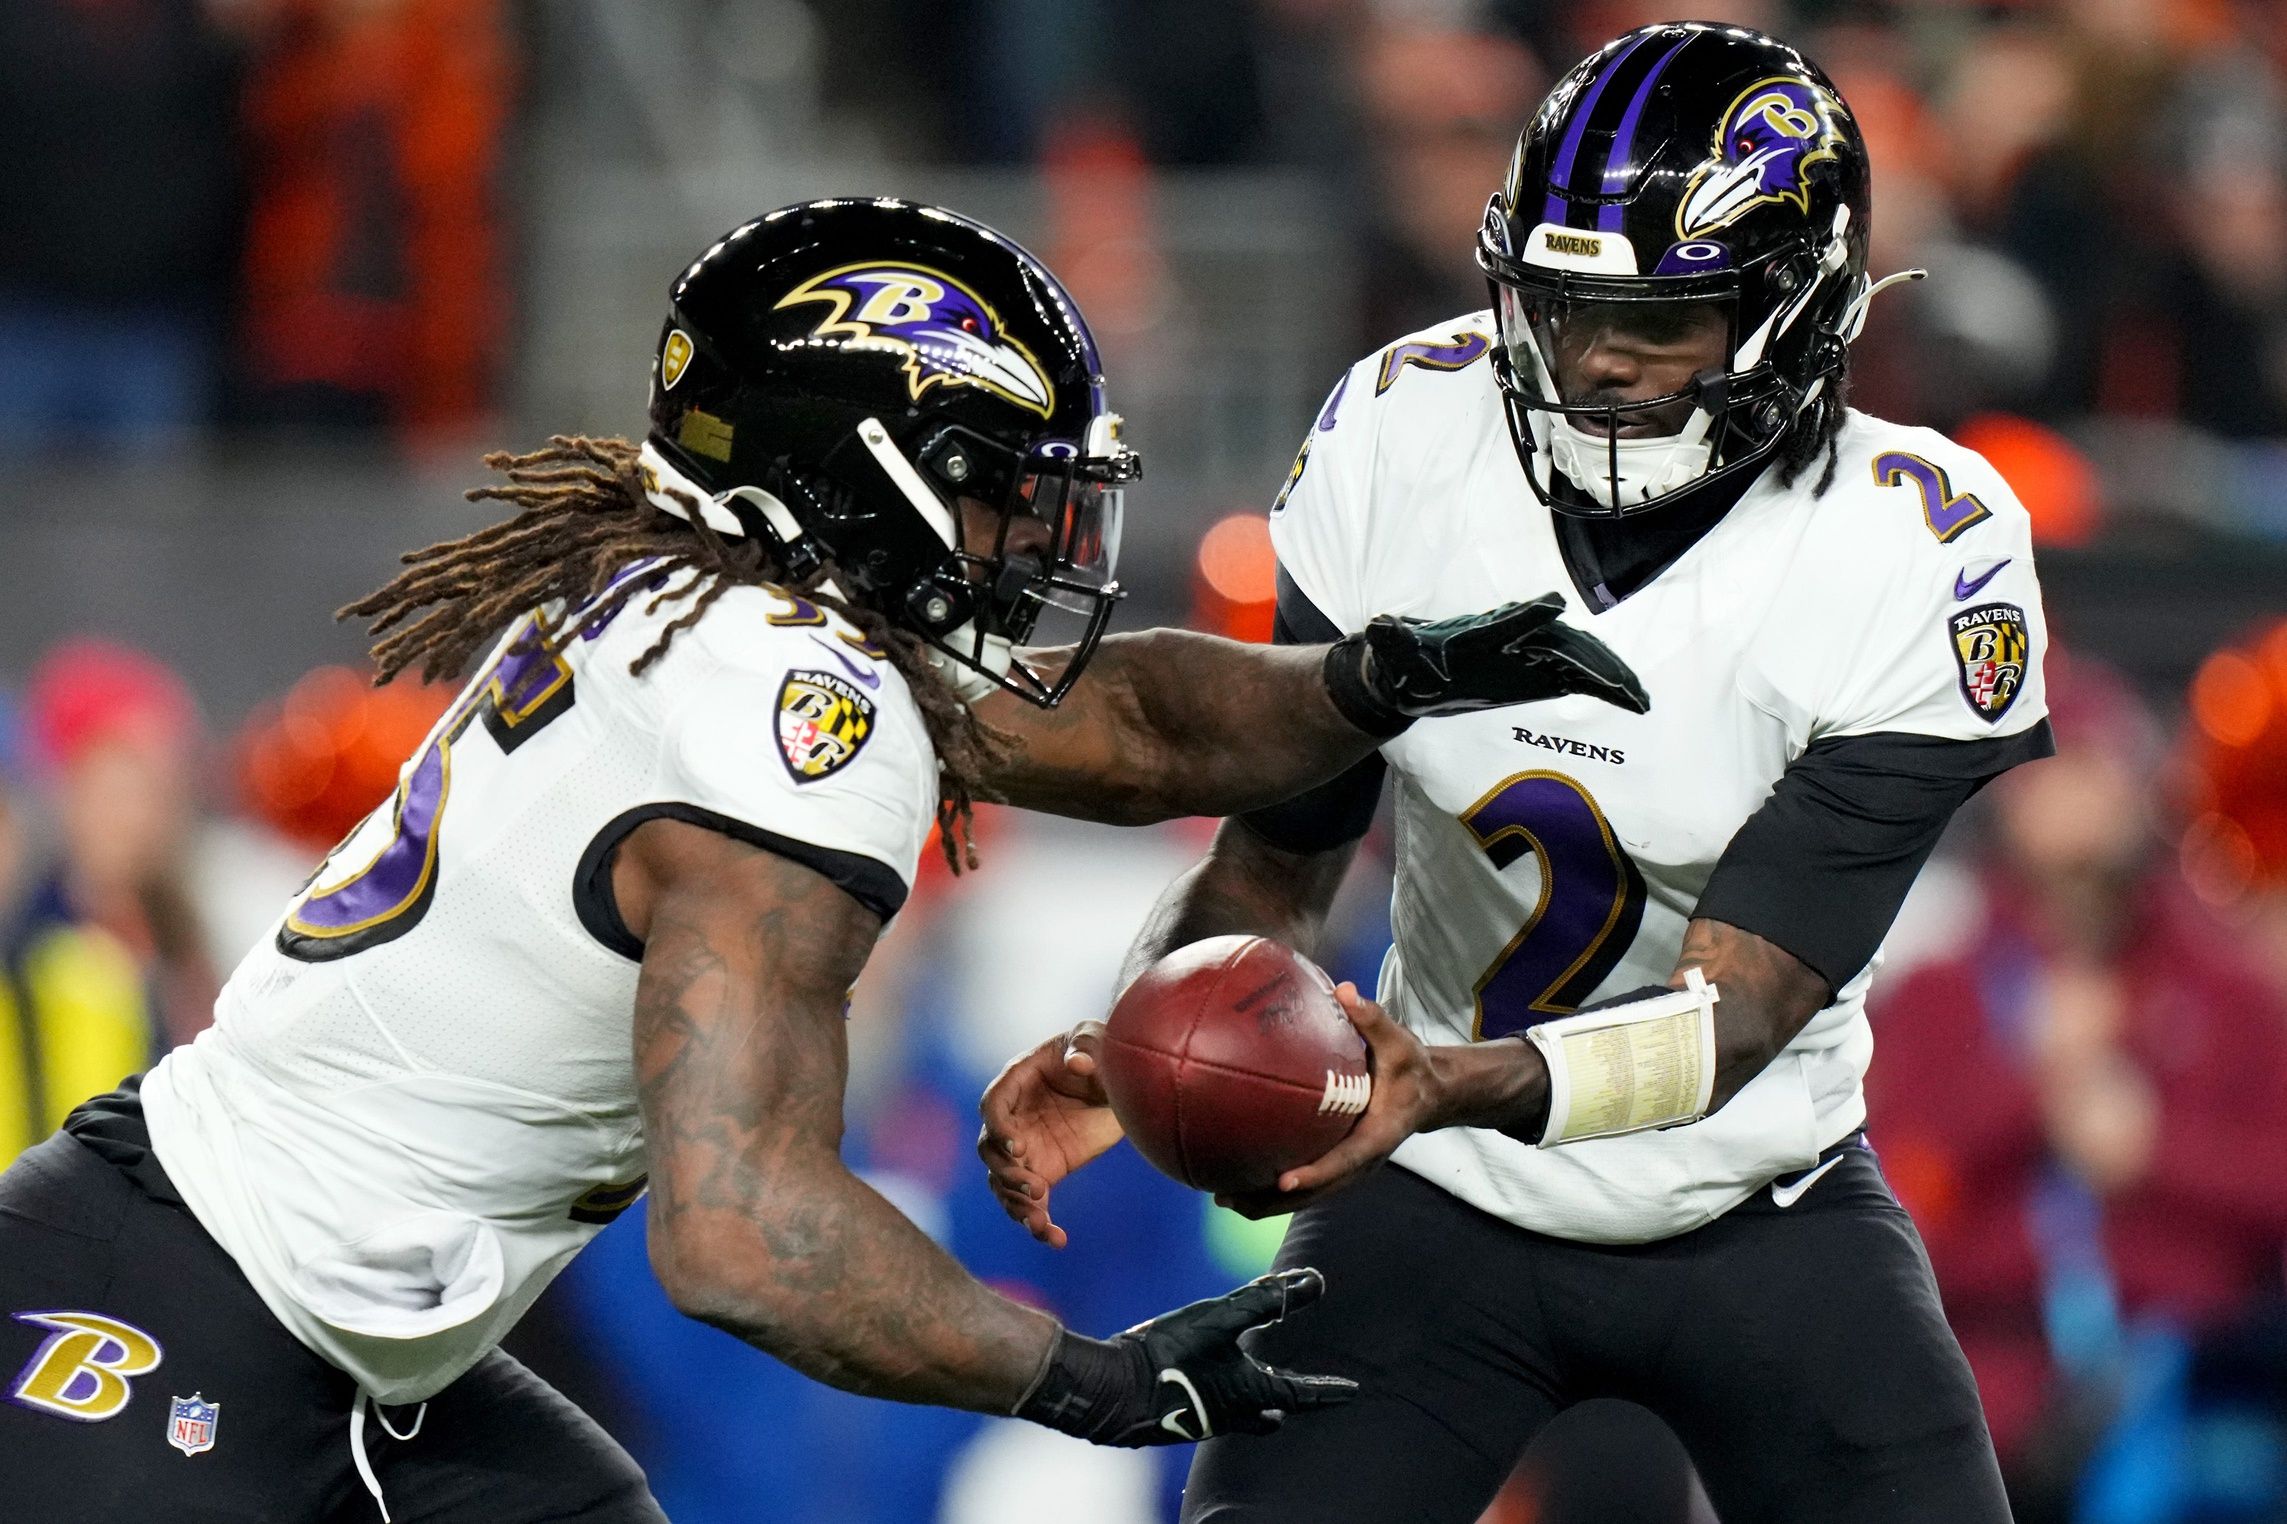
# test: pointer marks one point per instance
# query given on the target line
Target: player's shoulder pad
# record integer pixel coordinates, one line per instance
(761, 644)
(1915, 496)
(1415, 380)
(1386, 435)
(767, 632)
(1916, 566)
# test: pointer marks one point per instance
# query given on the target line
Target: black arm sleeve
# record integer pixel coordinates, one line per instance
(1823, 866)
(1340, 810)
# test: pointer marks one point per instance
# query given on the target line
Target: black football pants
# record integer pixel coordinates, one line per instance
(1799, 1354)
(114, 1304)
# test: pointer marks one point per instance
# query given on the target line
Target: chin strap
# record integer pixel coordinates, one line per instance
(972, 682)
(670, 491)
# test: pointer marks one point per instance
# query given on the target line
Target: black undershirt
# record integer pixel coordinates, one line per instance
(112, 1125)
(1609, 559)
(1819, 869)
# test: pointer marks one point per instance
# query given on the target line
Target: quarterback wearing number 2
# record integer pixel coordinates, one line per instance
(1618, 1043)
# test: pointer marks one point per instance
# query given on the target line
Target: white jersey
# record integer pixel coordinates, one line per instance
(1551, 855)
(418, 1097)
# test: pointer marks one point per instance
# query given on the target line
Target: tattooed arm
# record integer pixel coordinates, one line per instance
(1167, 723)
(1243, 885)
(756, 1225)
(759, 1229)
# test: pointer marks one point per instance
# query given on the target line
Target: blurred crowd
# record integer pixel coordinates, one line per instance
(239, 215)
(262, 212)
(2100, 187)
(250, 212)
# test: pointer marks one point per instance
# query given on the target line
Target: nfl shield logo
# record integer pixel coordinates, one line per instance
(191, 1422)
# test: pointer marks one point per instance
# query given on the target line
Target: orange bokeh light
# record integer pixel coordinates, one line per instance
(2236, 748)
(314, 763)
(2052, 478)
(2231, 700)
(1236, 589)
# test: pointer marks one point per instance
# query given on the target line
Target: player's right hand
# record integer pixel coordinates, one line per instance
(1182, 1376)
(1519, 653)
(1044, 1116)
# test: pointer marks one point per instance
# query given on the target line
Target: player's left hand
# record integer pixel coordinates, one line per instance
(1406, 1098)
(1044, 1116)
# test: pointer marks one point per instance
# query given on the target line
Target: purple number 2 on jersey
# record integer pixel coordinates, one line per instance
(1591, 901)
(527, 686)
(1946, 511)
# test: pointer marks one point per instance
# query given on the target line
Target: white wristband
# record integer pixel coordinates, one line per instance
(1626, 1068)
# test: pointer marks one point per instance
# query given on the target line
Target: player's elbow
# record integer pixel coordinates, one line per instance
(692, 1269)
(762, 1272)
(713, 1279)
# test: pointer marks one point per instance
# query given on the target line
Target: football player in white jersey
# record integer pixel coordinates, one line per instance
(1619, 1040)
(603, 933)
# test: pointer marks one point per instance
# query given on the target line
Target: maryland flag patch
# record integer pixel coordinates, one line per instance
(1990, 643)
(823, 723)
(674, 355)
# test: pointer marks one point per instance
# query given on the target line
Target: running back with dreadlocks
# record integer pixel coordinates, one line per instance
(583, 518)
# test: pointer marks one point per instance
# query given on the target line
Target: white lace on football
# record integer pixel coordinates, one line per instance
(1346, 1094)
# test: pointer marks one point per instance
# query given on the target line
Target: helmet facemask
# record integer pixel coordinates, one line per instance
(1030, 551)
(1619, 453)
(1589, 454)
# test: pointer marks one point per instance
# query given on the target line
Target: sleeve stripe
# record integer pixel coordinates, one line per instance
(869, 881)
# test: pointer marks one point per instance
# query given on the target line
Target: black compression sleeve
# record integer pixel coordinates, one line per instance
(1340, 810)
(1822, 867)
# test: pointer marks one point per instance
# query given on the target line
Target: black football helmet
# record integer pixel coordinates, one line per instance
(838, 378)
(1683, 164)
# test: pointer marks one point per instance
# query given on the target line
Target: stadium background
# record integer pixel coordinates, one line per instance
(274, 272)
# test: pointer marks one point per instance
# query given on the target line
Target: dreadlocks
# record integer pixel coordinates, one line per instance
(1818, 431)
(583, 518)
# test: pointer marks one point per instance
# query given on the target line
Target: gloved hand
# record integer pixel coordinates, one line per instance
(1396, 671)
(1182, 1376)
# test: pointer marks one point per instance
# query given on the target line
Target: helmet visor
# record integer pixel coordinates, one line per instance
(1622, 367)
(1058, 550)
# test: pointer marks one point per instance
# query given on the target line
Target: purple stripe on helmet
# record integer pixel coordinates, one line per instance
(1624, 141)
(1560, 173)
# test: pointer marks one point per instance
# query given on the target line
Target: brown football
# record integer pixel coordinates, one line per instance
(1229, 1061)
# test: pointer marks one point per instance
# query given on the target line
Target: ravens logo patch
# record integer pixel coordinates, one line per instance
(1990, 643)
(823, 723)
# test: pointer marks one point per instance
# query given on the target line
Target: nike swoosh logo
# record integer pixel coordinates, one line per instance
(870, 679)
(1966, 587)
(1173, 1422)
(1787, 1195)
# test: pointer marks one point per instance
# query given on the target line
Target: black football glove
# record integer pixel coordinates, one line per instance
(1396, 671)
(1182, 1376)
